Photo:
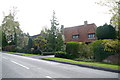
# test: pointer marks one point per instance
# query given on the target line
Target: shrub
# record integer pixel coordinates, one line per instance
(98, 47)
(9, 48)
(112, 45)
(48, 53)
(72, 49)
(85, 50)
(37, 51)
(60, 54)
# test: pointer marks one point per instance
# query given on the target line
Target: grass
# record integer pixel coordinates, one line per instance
(98, 64)
(83, 59)
(24, 54)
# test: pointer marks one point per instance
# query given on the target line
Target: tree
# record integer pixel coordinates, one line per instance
(54, 38)
(52, 33)
(30, 43)
(114, 9)
(59, 40)
(106, 32)
(40, 43)
(12, 31)
(10, 27)
(4, 41)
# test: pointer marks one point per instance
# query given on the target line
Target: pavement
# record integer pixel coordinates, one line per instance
(15, 66)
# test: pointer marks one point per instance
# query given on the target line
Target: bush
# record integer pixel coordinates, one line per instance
(98, 48)
(72, 49)
(48, 53)
(9, 48)
(60, 54)
(85, 50)
(37, 51)
(112, 45)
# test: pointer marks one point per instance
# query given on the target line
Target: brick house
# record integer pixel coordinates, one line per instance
(82, 33)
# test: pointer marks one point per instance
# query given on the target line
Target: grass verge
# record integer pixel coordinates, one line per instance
(98, 64)
(24, 54)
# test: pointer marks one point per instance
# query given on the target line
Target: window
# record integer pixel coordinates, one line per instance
(91, 36)
(75, 36)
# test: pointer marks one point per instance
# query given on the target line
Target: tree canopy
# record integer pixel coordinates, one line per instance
(12, 34)
(106, 32)
(40, 43)
(54, 35)
(114, 9)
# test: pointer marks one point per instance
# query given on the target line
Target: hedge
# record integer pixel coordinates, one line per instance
(102, 49)
(72, 49)
(60, 54)
(48, 53)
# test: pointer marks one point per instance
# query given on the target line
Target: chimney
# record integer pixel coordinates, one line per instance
(85, 23)
(62, 29)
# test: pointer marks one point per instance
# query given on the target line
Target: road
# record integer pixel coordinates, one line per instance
(15, 66)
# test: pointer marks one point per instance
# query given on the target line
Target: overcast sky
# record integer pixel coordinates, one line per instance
(34, 15)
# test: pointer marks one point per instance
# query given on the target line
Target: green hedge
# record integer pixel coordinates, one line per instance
(72, 49)
(102, 48)
(97, 50)
(48, 53)
(60, 54)
(85, 50)
(37, 51)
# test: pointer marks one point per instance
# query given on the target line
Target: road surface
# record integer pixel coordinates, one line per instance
(15, 66)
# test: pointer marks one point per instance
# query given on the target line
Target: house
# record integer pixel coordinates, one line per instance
(35, 36)
(82, 33)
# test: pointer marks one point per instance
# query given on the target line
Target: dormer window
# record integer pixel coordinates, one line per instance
(91, 36)
(75, 36)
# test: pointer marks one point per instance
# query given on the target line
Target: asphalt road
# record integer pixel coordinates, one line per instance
(15, 66)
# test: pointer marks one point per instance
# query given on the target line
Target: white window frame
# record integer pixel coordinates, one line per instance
(91, 36)
(76, 36)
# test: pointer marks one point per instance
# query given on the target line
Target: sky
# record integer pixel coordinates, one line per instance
(35, 15)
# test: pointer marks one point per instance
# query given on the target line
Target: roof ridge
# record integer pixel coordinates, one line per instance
(80, 25)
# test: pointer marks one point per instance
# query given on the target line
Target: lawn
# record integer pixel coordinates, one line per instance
(98, 64)
(24, 54)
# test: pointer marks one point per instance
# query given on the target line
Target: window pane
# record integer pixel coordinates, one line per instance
(75, 36)
(91, 35)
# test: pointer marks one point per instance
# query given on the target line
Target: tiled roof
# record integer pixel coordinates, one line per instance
(82, 30)
(35, 36)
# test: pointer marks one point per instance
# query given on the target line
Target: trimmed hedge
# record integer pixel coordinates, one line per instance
(48, 53)
(37, 51)
(60, 54)
(97, 50)
(72, 49)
